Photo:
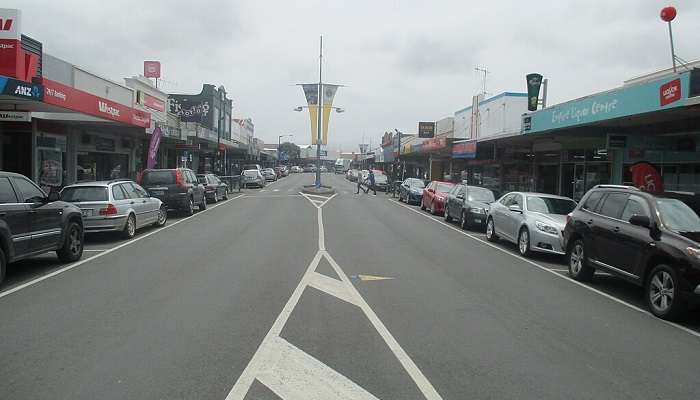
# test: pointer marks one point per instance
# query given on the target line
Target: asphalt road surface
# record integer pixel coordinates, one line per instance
(275, 295)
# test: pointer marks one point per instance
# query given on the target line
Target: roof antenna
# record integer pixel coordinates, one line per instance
(485, 71)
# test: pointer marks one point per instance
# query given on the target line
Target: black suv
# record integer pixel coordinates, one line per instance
(32, 223)
(650, 240)
(177, 188)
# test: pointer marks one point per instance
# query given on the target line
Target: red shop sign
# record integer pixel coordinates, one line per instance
(73, 99)
(153, 103)
(670, 92)
(434, 144)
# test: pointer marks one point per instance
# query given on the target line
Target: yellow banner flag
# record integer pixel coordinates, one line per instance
(328, 95)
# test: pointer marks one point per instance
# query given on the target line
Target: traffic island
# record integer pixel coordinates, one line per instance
(323, 190)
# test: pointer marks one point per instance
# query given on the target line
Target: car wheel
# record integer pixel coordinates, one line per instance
(189, 210)
(578, 262)
(130, 227)
(226, 194)
(491, 231)
(216, 197)
(524, 242)
(422, 205)
(2, 266)
(203, 204)
(72, 248)
(463, 220)
(162, 216)
(662, 293)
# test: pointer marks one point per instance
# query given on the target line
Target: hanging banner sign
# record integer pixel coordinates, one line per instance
(534, 81)
(464, 149)
(328, 95)
(311, 94)
(153, 103)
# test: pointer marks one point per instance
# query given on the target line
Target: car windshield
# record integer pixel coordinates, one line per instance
(84, 193)
(202, 178)
(480, 194)
(443, 187)
(550, 205)
(162, 177)
(677, 216)
(251, 172)
(416, 184)
(380, 178)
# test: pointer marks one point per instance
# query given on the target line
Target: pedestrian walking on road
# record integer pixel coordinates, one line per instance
(359, 184)
(370, 183)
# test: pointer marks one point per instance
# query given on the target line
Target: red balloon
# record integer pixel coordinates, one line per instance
(668, 14)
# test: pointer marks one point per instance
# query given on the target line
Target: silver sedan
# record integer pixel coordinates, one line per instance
(115, 206)
(533, 221)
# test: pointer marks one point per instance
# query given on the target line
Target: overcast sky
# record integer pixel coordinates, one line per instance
(403, 61)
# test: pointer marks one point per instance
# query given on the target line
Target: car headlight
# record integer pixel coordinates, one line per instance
(546, 228)
(478, 210)
(693, 252)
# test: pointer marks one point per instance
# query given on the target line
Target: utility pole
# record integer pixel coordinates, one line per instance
(485, 71)
(320, 110)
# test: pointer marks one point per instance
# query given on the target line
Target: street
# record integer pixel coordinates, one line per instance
(219, 306)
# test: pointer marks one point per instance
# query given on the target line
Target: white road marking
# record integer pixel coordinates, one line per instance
(108, 251)
(275, 190)
(555, 273)
(267, 196)
(94, 250)
(263, 190)
(295, 375)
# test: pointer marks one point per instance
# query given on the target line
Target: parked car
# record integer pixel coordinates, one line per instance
(364, 174)
(214, 188)
(33, 223)
(533, 221)
(352, 175)
(285, 171)
(309, 168)
(253, 177)
(253, 166)
(650, 240)
(269, 174)
(434, 196)
(411, 190)
(115, 206)
(296, 169)
(471, 204)
(177, 188)
(381, 182)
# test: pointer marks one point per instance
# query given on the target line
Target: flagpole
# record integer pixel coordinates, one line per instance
(320, 110)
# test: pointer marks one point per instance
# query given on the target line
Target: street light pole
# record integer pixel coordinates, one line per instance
(320, 110)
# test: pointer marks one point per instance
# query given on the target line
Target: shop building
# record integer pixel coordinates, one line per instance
(575, 145)
(205, 120)
(154, 101)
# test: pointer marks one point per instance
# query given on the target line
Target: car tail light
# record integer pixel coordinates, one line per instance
(178, 178)
(109, 210)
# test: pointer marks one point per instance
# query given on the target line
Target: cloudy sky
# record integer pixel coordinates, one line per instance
(402, 61)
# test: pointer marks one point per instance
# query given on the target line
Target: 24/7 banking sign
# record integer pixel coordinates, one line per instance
(630, 100)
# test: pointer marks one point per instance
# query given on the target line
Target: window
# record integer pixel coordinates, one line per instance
(677, 216)
(442, 187)
(7, 194)
(130, 191)
(461, 192)
(141, 191)
(480, 194)
(550, 205)
(77, 194)
(118, 192)
(613, 204)
(28, 192)
(592, 200)
(505, 200)
(159, 177)
(202, 178)
(517, 200)
(635, 206)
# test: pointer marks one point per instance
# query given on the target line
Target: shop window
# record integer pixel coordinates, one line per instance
(102, 166)
(597, 155)
(51, 161)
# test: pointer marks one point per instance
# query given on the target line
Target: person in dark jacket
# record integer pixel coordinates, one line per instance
(370, 183)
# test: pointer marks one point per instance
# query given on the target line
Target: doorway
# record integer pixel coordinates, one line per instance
(572, 181)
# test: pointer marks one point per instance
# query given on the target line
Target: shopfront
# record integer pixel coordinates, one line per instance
(598, 139)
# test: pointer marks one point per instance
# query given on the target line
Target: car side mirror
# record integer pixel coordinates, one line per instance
(460, 196)
(515, 208)
(640, 220)
(431, 190)
(53, 196)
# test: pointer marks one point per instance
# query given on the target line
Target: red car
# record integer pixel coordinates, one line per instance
(435, 195)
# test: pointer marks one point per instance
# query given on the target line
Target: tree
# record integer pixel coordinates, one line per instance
(290, 149)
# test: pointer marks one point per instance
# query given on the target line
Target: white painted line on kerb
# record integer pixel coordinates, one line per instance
(108, 251)
(554, 272)
(94, 249)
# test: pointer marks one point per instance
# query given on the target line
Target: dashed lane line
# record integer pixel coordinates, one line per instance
(551, 271)
(108, 251)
